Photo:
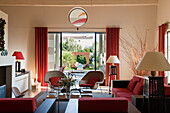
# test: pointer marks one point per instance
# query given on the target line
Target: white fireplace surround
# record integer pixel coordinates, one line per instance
(8, 61)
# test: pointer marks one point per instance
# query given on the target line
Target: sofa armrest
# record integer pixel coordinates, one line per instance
(120, 83)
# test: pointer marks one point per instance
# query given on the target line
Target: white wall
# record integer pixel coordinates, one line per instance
(5, 17)
(163, 11)
(23, 19)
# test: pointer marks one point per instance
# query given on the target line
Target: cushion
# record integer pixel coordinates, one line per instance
(18, 105)
(142, 81)
(93, 80)
(86, 85)
(124, 94)
(86, 104)
(138, 90)
(115, 90)
(131, 84)
(167, 90)
(137, 78)
(54, 80)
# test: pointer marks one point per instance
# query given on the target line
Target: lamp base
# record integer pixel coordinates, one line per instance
(153, 73)
(17, 66)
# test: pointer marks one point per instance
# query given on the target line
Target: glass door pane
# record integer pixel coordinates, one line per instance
(100, 51)
(78, 51)
(53, 51)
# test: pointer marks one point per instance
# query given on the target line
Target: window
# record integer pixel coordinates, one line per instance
(167, 53)
(77, 51)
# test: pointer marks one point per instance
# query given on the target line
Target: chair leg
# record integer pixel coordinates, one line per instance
(101, 89)
(47, 88)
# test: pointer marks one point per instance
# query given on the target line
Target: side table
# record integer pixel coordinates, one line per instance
(137, 100)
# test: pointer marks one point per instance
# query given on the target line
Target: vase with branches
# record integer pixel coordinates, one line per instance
(134, 49)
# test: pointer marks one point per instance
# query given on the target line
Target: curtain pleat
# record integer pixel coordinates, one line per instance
(162, 32)
(41, 53)
(112, 48)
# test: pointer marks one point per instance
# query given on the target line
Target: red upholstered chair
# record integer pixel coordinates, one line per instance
(92, 79)
(51, 77)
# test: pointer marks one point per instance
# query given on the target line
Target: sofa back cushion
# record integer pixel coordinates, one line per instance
(138, 90)
(131, 84)
(102, 105)
(142, 81)
(18, 105)
(137, 78)
(93, 80)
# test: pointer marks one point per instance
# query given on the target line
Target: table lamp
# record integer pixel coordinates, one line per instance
(153, 92)
(153, 61)
(114, 60)
(19, 56)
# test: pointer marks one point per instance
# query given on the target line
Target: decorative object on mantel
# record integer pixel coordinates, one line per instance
(4, 53)
(2, 33)
(113, 68)
(132, 53)
(77, 16)
(154, 86)
(19, 56)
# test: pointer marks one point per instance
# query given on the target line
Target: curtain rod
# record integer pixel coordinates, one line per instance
(76, 28)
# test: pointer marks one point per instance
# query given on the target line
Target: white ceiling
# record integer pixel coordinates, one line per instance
(76, 2)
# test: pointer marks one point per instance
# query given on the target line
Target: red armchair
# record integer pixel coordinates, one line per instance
(92, 79)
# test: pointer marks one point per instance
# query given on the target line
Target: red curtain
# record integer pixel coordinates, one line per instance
(112, 48)
(162, 31)
(41, 53)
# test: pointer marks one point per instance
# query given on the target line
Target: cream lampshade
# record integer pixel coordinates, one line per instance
(113, 59)
(153, 61)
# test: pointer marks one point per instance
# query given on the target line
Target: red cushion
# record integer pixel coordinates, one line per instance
(115, 90)
(142, 81)
(54, 80)
(86, 85)
(18, 105)
(138, 90)
(93, 80)
(124, 94)
(167, 90)
(102, 105)
(137, 78)
(131, 84)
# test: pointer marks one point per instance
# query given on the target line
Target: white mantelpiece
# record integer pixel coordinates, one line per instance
(7, 61)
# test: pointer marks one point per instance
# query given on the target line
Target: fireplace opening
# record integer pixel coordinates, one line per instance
(2, 75)
(6, 81)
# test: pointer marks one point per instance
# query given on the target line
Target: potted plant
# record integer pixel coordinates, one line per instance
(67, 82)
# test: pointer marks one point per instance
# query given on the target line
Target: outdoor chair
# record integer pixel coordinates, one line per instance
(51, 77)
(92, 79)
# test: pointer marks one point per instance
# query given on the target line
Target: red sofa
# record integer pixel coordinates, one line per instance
(123, 88)
(103, 105)
(18, 105)
(134, 87)
(26, 105)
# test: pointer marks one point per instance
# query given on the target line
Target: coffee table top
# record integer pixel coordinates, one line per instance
(75, 93)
